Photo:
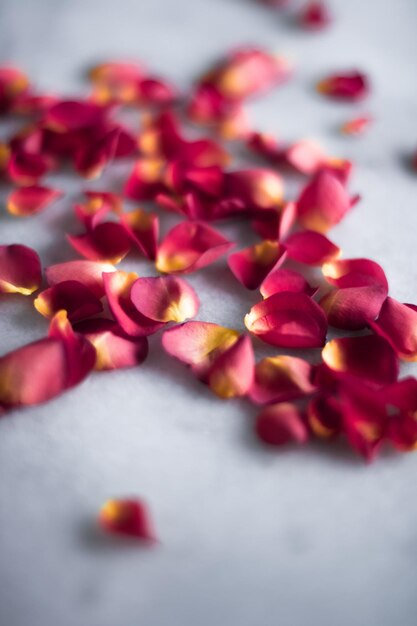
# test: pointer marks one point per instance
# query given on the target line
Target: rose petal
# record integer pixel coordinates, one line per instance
(231, 375)
(114, 348)
(256, 189)
(280, 424)
(324, 416)
(73, 115)
(189, 246)
(198, 344)
(71, 296)
(351, 308)
(397, 323)
(92, 158)
(369, 358)
(356, 126)
(354, 273)
(352, 85)
(315, 16)
(146, 179)
(13, 83)
(26, 201)
(165, 299)
(281, 378)
(20, 270)
(276, 223)
(89, 273)
(288, 319)
(118, 286)
(127, 517)
(25, 168)
(107, 242)
(311, 248)
(286, 280)
(252, 265)
(323, 203)
(143, 228)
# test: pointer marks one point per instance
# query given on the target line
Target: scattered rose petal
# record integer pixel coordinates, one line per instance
(289, 320)
(356, 126)
(128, 517)
(26, 201)
(252, 265)
(281, 378)
(354, 273)
(352, 85)
(143, 228)
(20, 270)
(280, 424)
(71, 296)
(232, 372)
(315, 16)
(107, 242)
(351, 308)
(165, 299)
(189, 246)
(397, 323)
(89, 273)
(285, 280)
(311, 248)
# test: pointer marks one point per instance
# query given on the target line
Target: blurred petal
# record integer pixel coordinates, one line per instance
(73, 115)
(352, 85)
(397, 323)
(189, 246)
(311, 248)
(232, 372)
(25, 168)
(143, 228)
(323, 202)
(368, 358)
(351, 308)
(107, 242)
(252, 265)
(288, 319)
(114, 348)
(280, 424)
(71, 296)
(198, 344)
(89, 273)
(314, 16)
(356, 126)
(146, 180)
(281, 378)
(128, 517)
(20, 270)
(26, 201)
(354, 273)
(164, 299)
(285, 280)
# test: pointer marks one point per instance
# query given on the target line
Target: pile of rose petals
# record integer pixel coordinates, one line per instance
(100, 316)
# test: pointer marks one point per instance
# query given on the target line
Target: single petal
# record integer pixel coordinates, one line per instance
(25, 168)
(401, 398)
(281, 378)
(369, 358)
(89, 273)
(146, 180)
(20, 270)
(397, 323)
(198, 344)
(275, 223)
(252, 265)
(352, 85)
(26, 201)
(305, 156)
(255, 189)
(98, 205)
(107, 242)
(118, 286)
(288, 319)
(280, 424)
(354, 273)
(356, 126)
(323, 202)
(324, 416)
(13, 84)
(189, 246)
(71, 296)
(165, 299)
(311, 248)
(232, 373)
(127, 517)
(73, 115)
(93, 157)
(153, 91)
(143, 228)
(351, 308)
(114, 348)
(285, 280)
(314, 16)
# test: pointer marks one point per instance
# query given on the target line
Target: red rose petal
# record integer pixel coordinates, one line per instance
(73, 115)
(356, 126)
(311, 248)
(280, 424)
(369, 358)
(164, 299)
(288, 319)
(397, 323)
(354, 273)
(351, 308)
(20, 270)
(352, 85)
(25, 168)
(286, 280)
(26, 201)
(315, 16)
(189, 246)
(89, 273)
(281, 378)
(71, 296)
(114, 348)
(128, 517)
(252, 265)
(232, 372)
(107, 242)
(143, 228)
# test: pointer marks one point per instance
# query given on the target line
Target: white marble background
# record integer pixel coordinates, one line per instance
(248, 537)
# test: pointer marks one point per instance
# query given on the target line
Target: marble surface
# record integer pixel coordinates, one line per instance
(248, 537)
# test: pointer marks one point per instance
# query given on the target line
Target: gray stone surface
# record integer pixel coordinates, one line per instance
(247, 537)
